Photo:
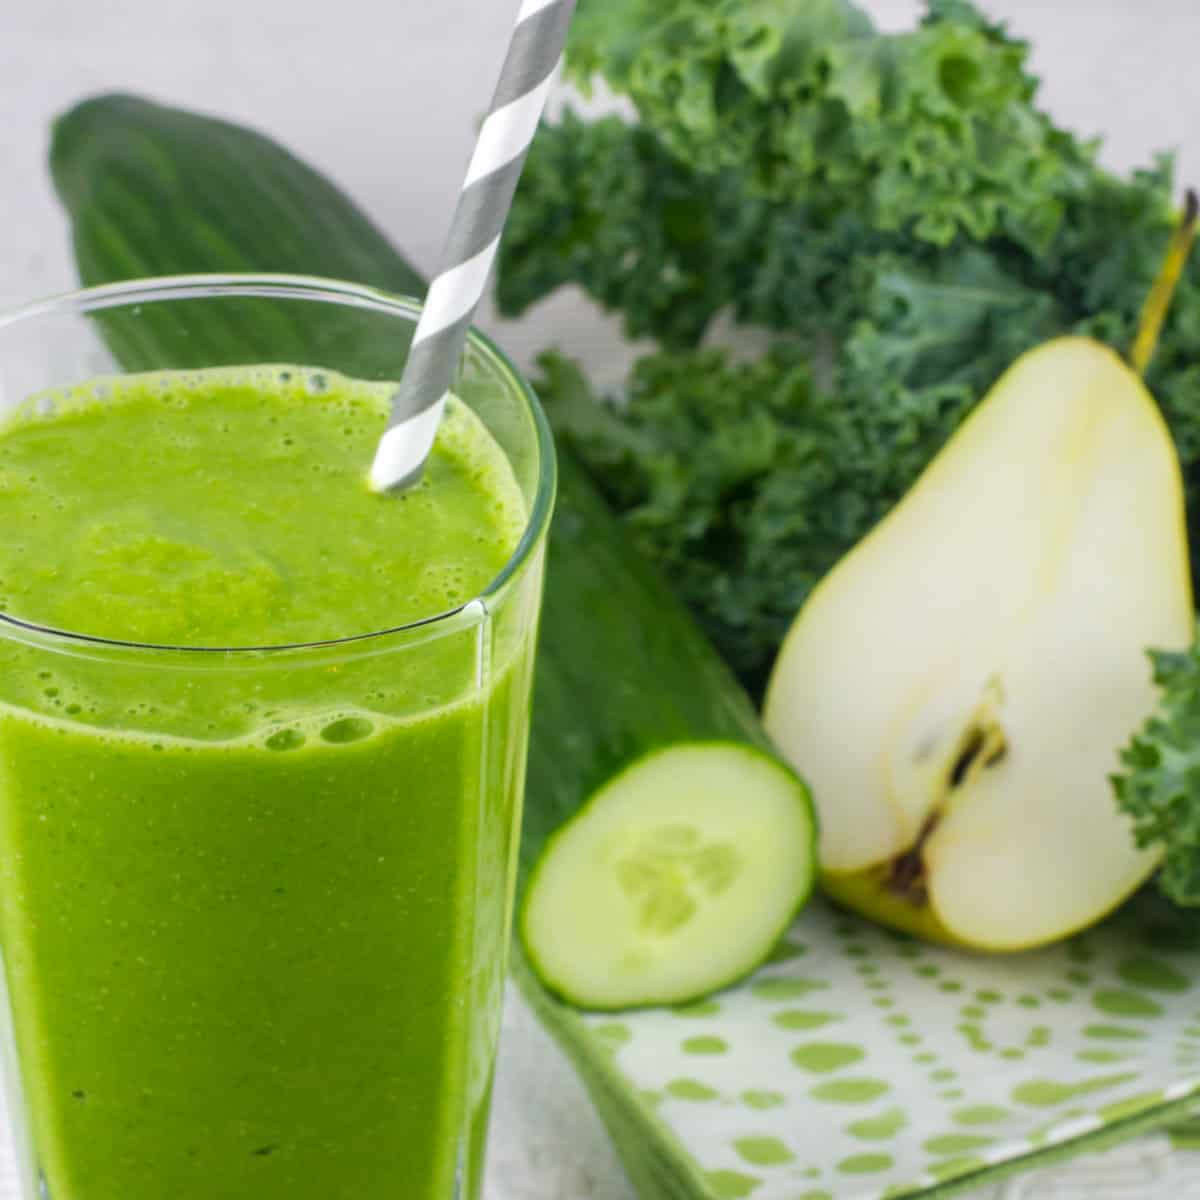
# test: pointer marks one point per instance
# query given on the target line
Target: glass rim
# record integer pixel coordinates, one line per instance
(165, 288)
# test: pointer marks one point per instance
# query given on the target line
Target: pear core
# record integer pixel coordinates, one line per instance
(957, 689)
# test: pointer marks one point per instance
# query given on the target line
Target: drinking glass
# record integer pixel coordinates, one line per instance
(255, 902)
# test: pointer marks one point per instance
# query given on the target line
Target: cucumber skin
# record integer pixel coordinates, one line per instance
(153, 190)
(804, 889)
(623, 670)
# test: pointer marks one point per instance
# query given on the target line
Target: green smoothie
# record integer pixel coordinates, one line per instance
(253, 904)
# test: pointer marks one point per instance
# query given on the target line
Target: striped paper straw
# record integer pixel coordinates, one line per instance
(487, 193)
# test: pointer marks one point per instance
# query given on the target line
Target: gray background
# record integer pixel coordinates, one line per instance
(383, 94)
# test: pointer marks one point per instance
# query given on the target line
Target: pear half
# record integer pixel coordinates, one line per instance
(956, 690)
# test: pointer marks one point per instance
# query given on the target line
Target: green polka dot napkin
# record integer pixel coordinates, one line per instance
(859, 1064)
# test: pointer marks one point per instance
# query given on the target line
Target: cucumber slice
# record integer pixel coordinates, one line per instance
(675, 879)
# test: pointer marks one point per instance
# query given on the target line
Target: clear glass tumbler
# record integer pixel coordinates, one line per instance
(255, 902)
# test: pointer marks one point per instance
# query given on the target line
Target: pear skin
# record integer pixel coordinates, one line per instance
(957, 689)
(867, 893)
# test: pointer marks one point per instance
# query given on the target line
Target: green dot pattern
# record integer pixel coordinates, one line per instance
(863, 1064)
(955, 1143)
(1113, 1033)
(705, 1045)
(1120, 1002)
(850, 1091)
(691, 1089)
(822, 1057)
(763, 1151)
(731, 1185)
(880, 1128)
(865, 1164)
(1142, 972)
(612, 1033)
(1101, 1056)
(798, 1018)
(981, 1114)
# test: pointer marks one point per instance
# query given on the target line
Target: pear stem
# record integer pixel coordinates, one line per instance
(1162, 293)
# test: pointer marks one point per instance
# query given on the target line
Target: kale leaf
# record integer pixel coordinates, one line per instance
(932, 131)
(1160, 786)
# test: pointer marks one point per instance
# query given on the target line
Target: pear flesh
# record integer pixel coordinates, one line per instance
(957, 689)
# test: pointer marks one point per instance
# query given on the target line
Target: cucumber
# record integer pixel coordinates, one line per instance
(153, 190)
(661, 889)
(647, 760)
(641, 733)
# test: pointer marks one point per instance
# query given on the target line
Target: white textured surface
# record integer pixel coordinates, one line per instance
(384, 94)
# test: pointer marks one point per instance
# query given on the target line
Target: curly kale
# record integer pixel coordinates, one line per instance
(603, 205)
(894, 209)
(1160, 786)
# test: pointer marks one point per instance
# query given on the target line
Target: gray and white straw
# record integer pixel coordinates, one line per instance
(483, 205)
